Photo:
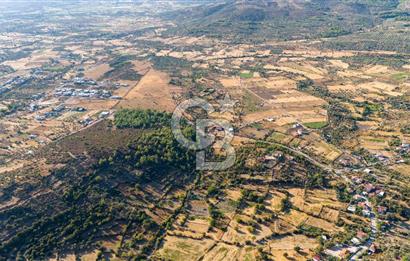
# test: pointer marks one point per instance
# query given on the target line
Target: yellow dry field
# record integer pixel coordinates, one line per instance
(387, 134)
(367, 125)
(273, 201)
(306, 206)
(152, 92)
(322, 224)
(329, 214)
(249, 211)
(240, 141)
(141, 67)
(295, 99)
(297, 197)
(225, 252)
(238, 233)
(294, 217)
(403, 169)
(222, 252)
(279, 83)
(90, 256)
(378, 70)
(284, 104)
(339, 64)
(307, 69)
(281, 227)
(96, 72)
(380, 88)
(185, 233)
(315, 53)
(231, 82)
(182, 249)
(351, 74)
(324, 150)
(37, 59)
(349, 87)
(288, 115)
(278, 247)
(373, 143)
(325, 197)
(188, 55)
(317, 203)
(198, 225)
(233, 194)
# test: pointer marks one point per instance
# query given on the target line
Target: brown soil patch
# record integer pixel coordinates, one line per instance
(152, 92)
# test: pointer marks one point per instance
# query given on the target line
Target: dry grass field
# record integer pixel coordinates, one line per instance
(96, 72)
(152, 92)
(182, 249)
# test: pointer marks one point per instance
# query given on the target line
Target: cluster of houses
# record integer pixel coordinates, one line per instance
(404, 149)
(382, 159)
(54, 112)
(88, 120)
(89, 82)
(84, 93)
(360, 202)
(13, 82)
(97, 91)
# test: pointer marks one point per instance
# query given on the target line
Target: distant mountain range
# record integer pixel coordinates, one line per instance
(289, 19)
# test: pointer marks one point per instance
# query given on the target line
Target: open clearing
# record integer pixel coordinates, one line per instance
(152, 92)
(97, 72)
(182, 249)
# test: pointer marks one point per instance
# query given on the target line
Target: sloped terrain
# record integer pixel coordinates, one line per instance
(283, 19)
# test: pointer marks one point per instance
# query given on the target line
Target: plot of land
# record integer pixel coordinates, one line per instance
(152, 92)
(183, 249)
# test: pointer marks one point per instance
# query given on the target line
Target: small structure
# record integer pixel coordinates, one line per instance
(380, 193)
(367, 171)
(316, 258)
(352, 208)
(297, 130)
(355, 241)
(362, 236)
(373, 249)
(369, 187)
(366, 213)
(104, 114)
(381, 210)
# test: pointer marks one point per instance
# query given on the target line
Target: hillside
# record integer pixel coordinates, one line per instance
(282, 19)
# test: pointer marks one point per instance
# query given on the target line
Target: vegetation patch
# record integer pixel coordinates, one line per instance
(246, 75)
(315, 125)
